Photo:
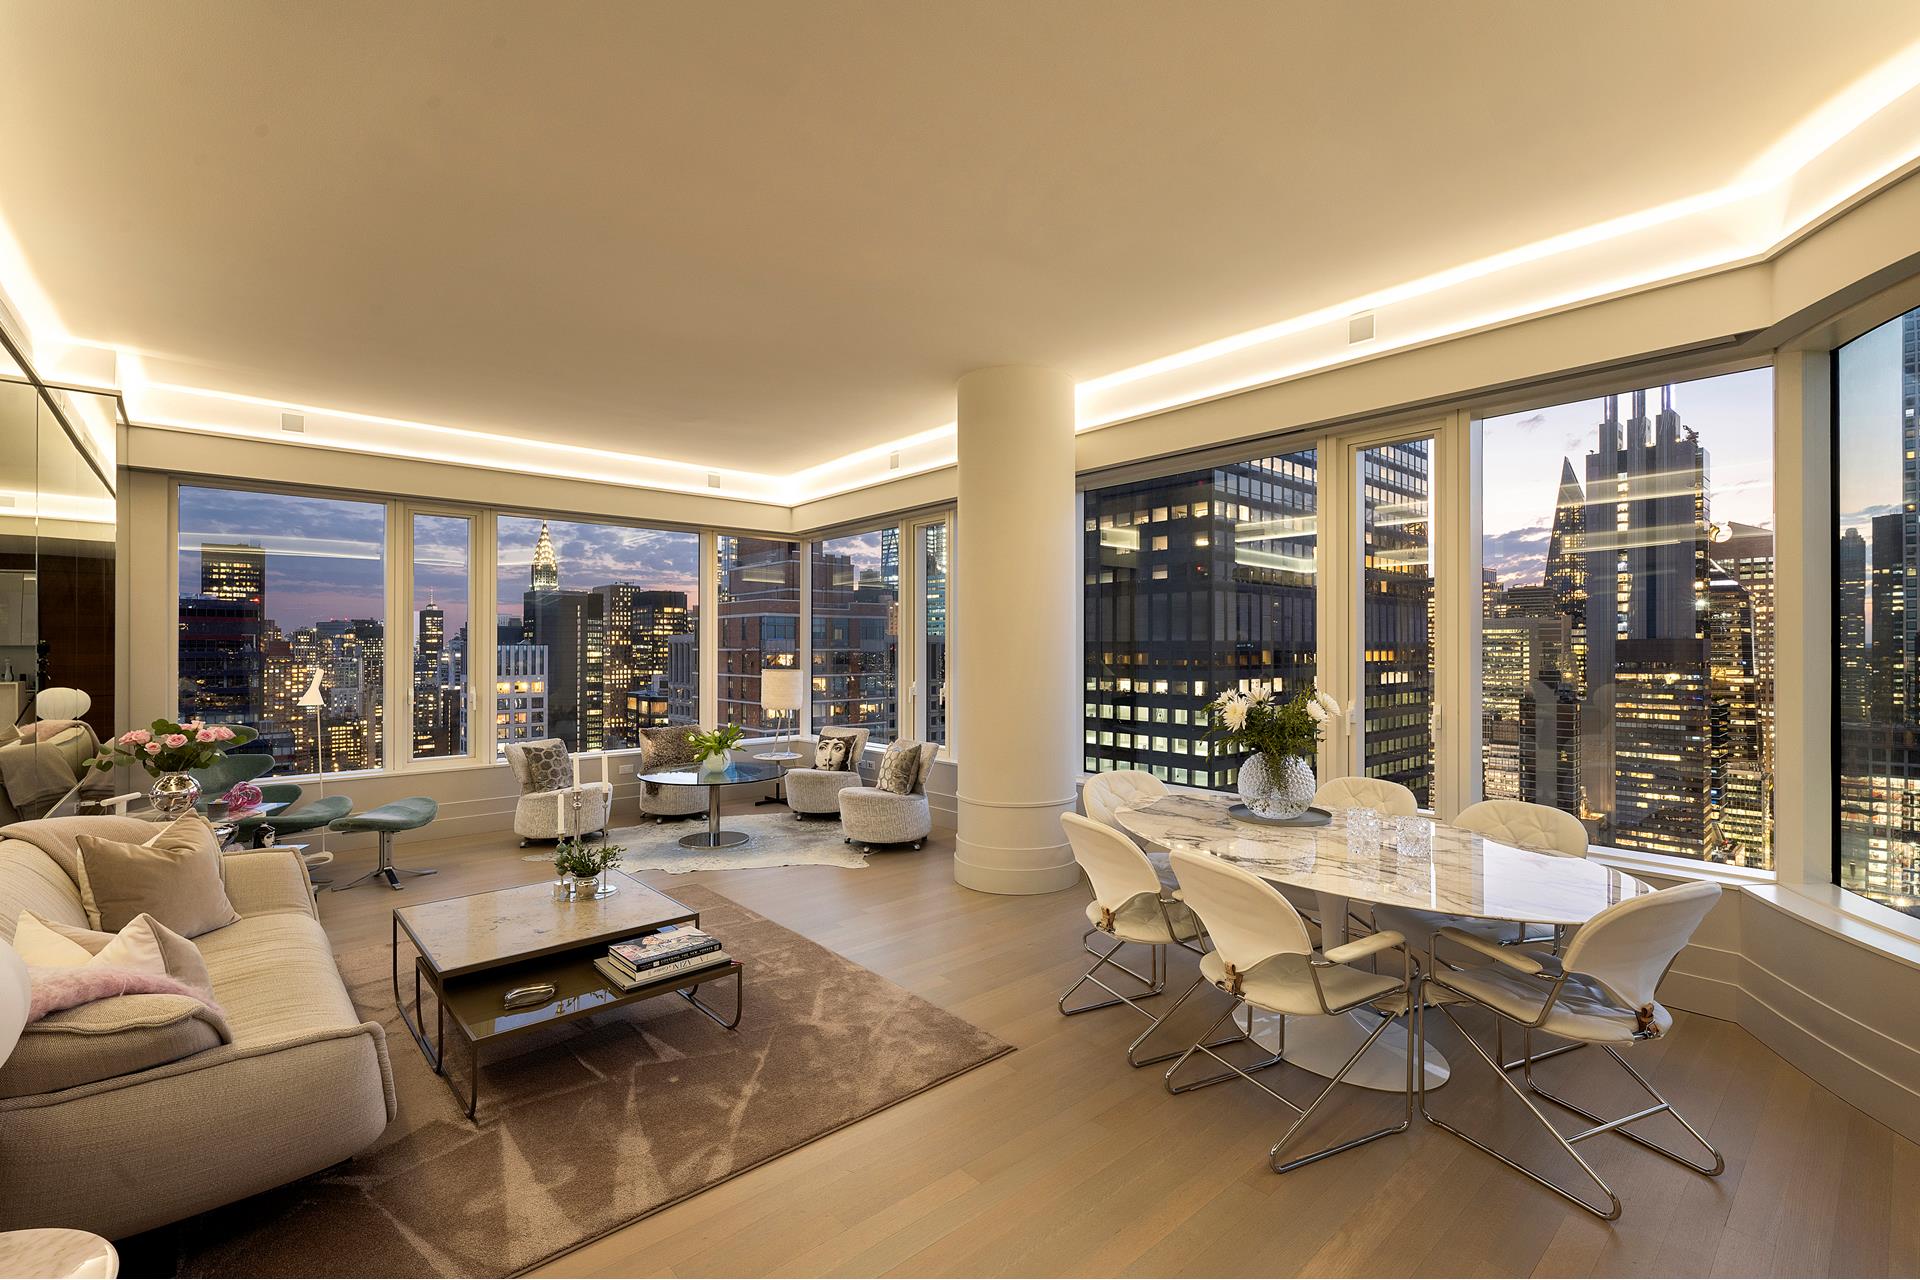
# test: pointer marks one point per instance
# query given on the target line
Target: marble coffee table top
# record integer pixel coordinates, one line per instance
(57, 1252)
(1463, 874)
(484, 930)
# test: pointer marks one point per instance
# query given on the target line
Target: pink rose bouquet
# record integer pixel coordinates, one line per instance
(166, 747)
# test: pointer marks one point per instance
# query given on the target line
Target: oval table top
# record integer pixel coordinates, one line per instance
(1464, 874)
(735, 772)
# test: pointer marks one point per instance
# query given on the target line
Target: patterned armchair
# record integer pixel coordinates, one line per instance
(667, 748)
(872, 816)
(815, 793)
(553, 801)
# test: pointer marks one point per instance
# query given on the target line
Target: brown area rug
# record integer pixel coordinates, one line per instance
(609, 1120)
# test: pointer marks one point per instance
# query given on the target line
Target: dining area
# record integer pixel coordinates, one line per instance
(1364, 947)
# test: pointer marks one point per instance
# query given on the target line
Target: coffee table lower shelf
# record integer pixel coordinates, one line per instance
(474, 1003)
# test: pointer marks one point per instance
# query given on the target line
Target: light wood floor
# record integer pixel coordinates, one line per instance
(1059, 1160)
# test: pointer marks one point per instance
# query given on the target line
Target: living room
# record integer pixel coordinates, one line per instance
(842, 638)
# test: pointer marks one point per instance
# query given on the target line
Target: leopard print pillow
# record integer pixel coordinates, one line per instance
(900, 768)
(549, 767)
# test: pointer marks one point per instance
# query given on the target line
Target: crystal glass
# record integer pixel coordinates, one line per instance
(1413, 835)
(1363, 829)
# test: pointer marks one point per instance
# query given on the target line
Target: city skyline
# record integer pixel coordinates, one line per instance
(1733, 415)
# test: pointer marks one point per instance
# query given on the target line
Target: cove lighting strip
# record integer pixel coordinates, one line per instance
(1864, 135)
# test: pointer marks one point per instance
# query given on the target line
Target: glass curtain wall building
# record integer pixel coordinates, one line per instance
(1194, 583)
(1877, 590)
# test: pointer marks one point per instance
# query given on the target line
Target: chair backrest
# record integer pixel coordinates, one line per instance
(1246, 917)
(856, 744)
(929, 751)
(1627, 947)
(516, 753)
(1531, 826)
(1378, 794)
(220, 777)
(58, 703)
(1113, 863)
(1119, 789)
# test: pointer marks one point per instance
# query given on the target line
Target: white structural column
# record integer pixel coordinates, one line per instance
(1017, 714)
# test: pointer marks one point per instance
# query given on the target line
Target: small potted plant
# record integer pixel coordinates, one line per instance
(714, 750)
(583, 867)
(167, 751)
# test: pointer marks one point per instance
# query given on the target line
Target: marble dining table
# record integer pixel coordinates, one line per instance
(1455, 871)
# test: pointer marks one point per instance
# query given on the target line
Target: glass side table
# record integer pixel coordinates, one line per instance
(785, 760)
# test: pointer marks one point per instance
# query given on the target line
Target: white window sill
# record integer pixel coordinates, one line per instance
(1848, 917)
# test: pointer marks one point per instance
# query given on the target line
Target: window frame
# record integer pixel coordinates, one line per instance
(397, 756)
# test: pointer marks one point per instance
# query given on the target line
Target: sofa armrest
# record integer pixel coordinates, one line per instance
(265, 881)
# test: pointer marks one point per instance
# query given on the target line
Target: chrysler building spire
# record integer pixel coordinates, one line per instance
(546, 567)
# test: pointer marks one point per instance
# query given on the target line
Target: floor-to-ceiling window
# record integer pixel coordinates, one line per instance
(605, 619)
(1397, 613)
(441, 549)
(1194, 583)
(275, 587)
(1877, 607)
(1627, 634)
(759, 608)
(856, 632)
(934, 598)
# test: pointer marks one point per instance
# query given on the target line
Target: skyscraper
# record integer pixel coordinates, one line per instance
(546, 566)
(1853, 656)
(1645, 722)
(1195, 583)
(233, 571)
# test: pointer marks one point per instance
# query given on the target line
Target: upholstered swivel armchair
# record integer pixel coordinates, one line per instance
(668, 748)
(548, 812)
(872, 817)
(815, 793)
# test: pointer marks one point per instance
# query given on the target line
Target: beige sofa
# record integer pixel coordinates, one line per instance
(305, 1083)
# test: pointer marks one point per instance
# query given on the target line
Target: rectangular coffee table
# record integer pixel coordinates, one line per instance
(471, 951)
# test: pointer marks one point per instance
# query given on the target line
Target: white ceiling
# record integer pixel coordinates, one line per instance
(764, 234)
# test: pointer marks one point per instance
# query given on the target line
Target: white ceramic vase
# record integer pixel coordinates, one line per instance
(1276, 788)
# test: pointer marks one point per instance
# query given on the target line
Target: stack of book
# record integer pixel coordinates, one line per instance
(656, 957)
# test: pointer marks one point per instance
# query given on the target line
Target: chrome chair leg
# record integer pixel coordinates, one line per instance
(1527, 1054)
(1618, 1126)
(1086, 942)
(1607, 1215)
(1207, 1044)
(1133, 1050)
(1155, 985)
(1273, 1156)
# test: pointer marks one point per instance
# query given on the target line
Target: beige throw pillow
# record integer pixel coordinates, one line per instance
(900, 768)
(174, 877)
(145, 946)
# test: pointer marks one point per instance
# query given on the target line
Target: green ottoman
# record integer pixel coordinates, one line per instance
(402, 815)
(290, 821)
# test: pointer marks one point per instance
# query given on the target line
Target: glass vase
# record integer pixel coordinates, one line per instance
(1273, 787)
(173, 794)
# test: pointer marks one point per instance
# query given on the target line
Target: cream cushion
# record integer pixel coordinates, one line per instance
(109, 1038)
(174, 877)
(145, 946)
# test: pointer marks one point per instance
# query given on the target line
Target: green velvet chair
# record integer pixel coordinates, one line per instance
(220, 777)
(388, 820)
(291, 820)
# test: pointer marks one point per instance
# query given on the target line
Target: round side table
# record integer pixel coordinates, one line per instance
(57, 1253)
(784, 759)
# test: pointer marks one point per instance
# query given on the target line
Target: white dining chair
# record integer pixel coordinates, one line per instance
(1380, 794)
(1515, 822)
(1539, 827)
(1264, 959)
(1601, 992)
(1115, 789)
(1129, 907)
